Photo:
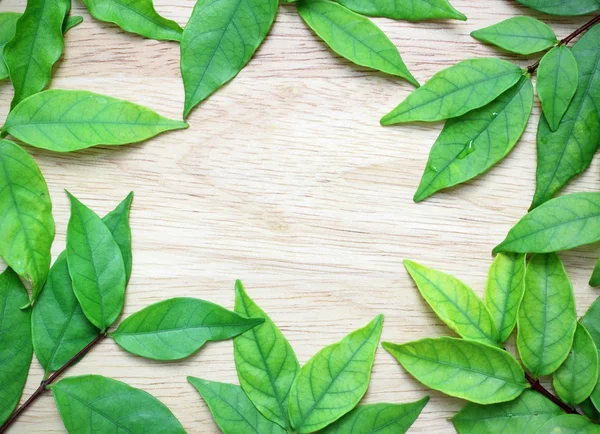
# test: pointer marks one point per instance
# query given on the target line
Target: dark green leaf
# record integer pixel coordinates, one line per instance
(590, 410)
(595, 279)
(117, 222)
(569, 424)
(8, 26)
(412, 10)
(521, 35)
(563, 7)
(71, 22)
(591, 322)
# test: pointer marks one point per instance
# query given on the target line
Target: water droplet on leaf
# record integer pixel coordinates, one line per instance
(468, 149)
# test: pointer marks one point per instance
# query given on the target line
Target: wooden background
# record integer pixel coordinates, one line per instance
(286, 180)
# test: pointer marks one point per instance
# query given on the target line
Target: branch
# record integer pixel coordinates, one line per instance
(535, 385)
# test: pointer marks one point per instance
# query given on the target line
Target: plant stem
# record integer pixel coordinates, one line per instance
(535, 385)
(45, 383)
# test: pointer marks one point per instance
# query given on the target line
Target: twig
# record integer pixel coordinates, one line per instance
(535, 385)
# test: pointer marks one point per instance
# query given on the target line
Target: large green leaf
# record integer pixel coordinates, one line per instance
(135, 16)
(94, 404)
(560, 224)
(547, 317)
(117, 222)
(232, 410)
(218, 41)
(472, 143)
(15, 342)
(412, 10)
(568, 151)
(563, 7)
(522, 35)
(178, 327)
(569, 424)
(470, 370)
(455, 303)
(26, 222)
(37, 45)
(354, 37)
(378, 418)
(456, 90)
(69, 120)
(265, 361)
(334, 380)
(8, 26)
(520, 416)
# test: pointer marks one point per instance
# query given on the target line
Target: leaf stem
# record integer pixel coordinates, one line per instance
(45, 383)
(535, 385)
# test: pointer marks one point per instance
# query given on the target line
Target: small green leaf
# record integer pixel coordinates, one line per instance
(94, 404)
(455, 303)
(470, 370)
(563, 7)
(354, 37)
(557, 83)
(26, 222)
(69, 120)
(595, 279)
(547, 317)
(522, 415)
(15, 342)
(265, 361)
(472, 143)
(117, 222)
(95, 265)
(334, 380)
(8, 27)
(576, 378)
(71, 22)
(178, 327)
(521, 35)
(378, 418)
(457, 90)
(591, 322)
(218, 41)
(137, 16)
(569, 424)
(232, 410)
(411, 10)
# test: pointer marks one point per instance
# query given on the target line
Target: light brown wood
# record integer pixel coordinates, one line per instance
(286, 180)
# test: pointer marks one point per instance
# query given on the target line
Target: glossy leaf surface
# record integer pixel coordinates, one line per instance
(8, 26)
(563, 7)
(412, 10)
(117, 222)
(569, 424)
(522, 35)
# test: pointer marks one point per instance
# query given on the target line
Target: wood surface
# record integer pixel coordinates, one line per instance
(286, 180)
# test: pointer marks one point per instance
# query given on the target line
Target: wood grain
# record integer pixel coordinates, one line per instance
(286, 180)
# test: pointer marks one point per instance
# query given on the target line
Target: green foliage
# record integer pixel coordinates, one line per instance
(117, 222)
(563, 7)
(71, 22)
(412, 10)
(595, 279)
(8, 26)
(569, 424)
(521, 35)
(591, 322)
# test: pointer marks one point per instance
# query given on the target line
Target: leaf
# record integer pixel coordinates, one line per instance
(591, 322)
(378, 418)
(569, 424)
(71, 22)
(547, 317)
(353, 37)
(563, 7)
(178, 327)
(560, 224)
(117, 222)
(15, 342)
(568, 151)
(95, 404)
(455, 303)
(521, 35)
(412, 10)
(95, 265)
(70, 120)
(590, 410)
(595, 279)
(334, 380)
(8, 27)
(38, 43)
(457, 90)
(470, 370)
(265, 361)
(26, 223)
(557, 83)
(576, 378)
(135, 16)
(218, 41)
(522, 415)
(472, 143)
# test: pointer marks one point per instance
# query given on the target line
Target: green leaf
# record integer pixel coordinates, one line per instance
(457, 90)
(135, 16)
(595, 279)
(455, 303)
(557, 83)
(37, 45)
(26, 223)
(15, 342)
(576, 378)
(568, 151)
(521, 35)
(591, 322)
(95, 265)
(563, 7)
(470, 370)
(378, 418)
(95, 404)
(232, 410)
(569, 424)
(547, 317)
(265, 361)
(560, 224)
(117, 222)
(472, 143)
(412, 10)
(334, 380)
(8, 27)
(218, 41)
(71, 22)
(590, 410)
(353, 37)
(69, 120)
(178, 327)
